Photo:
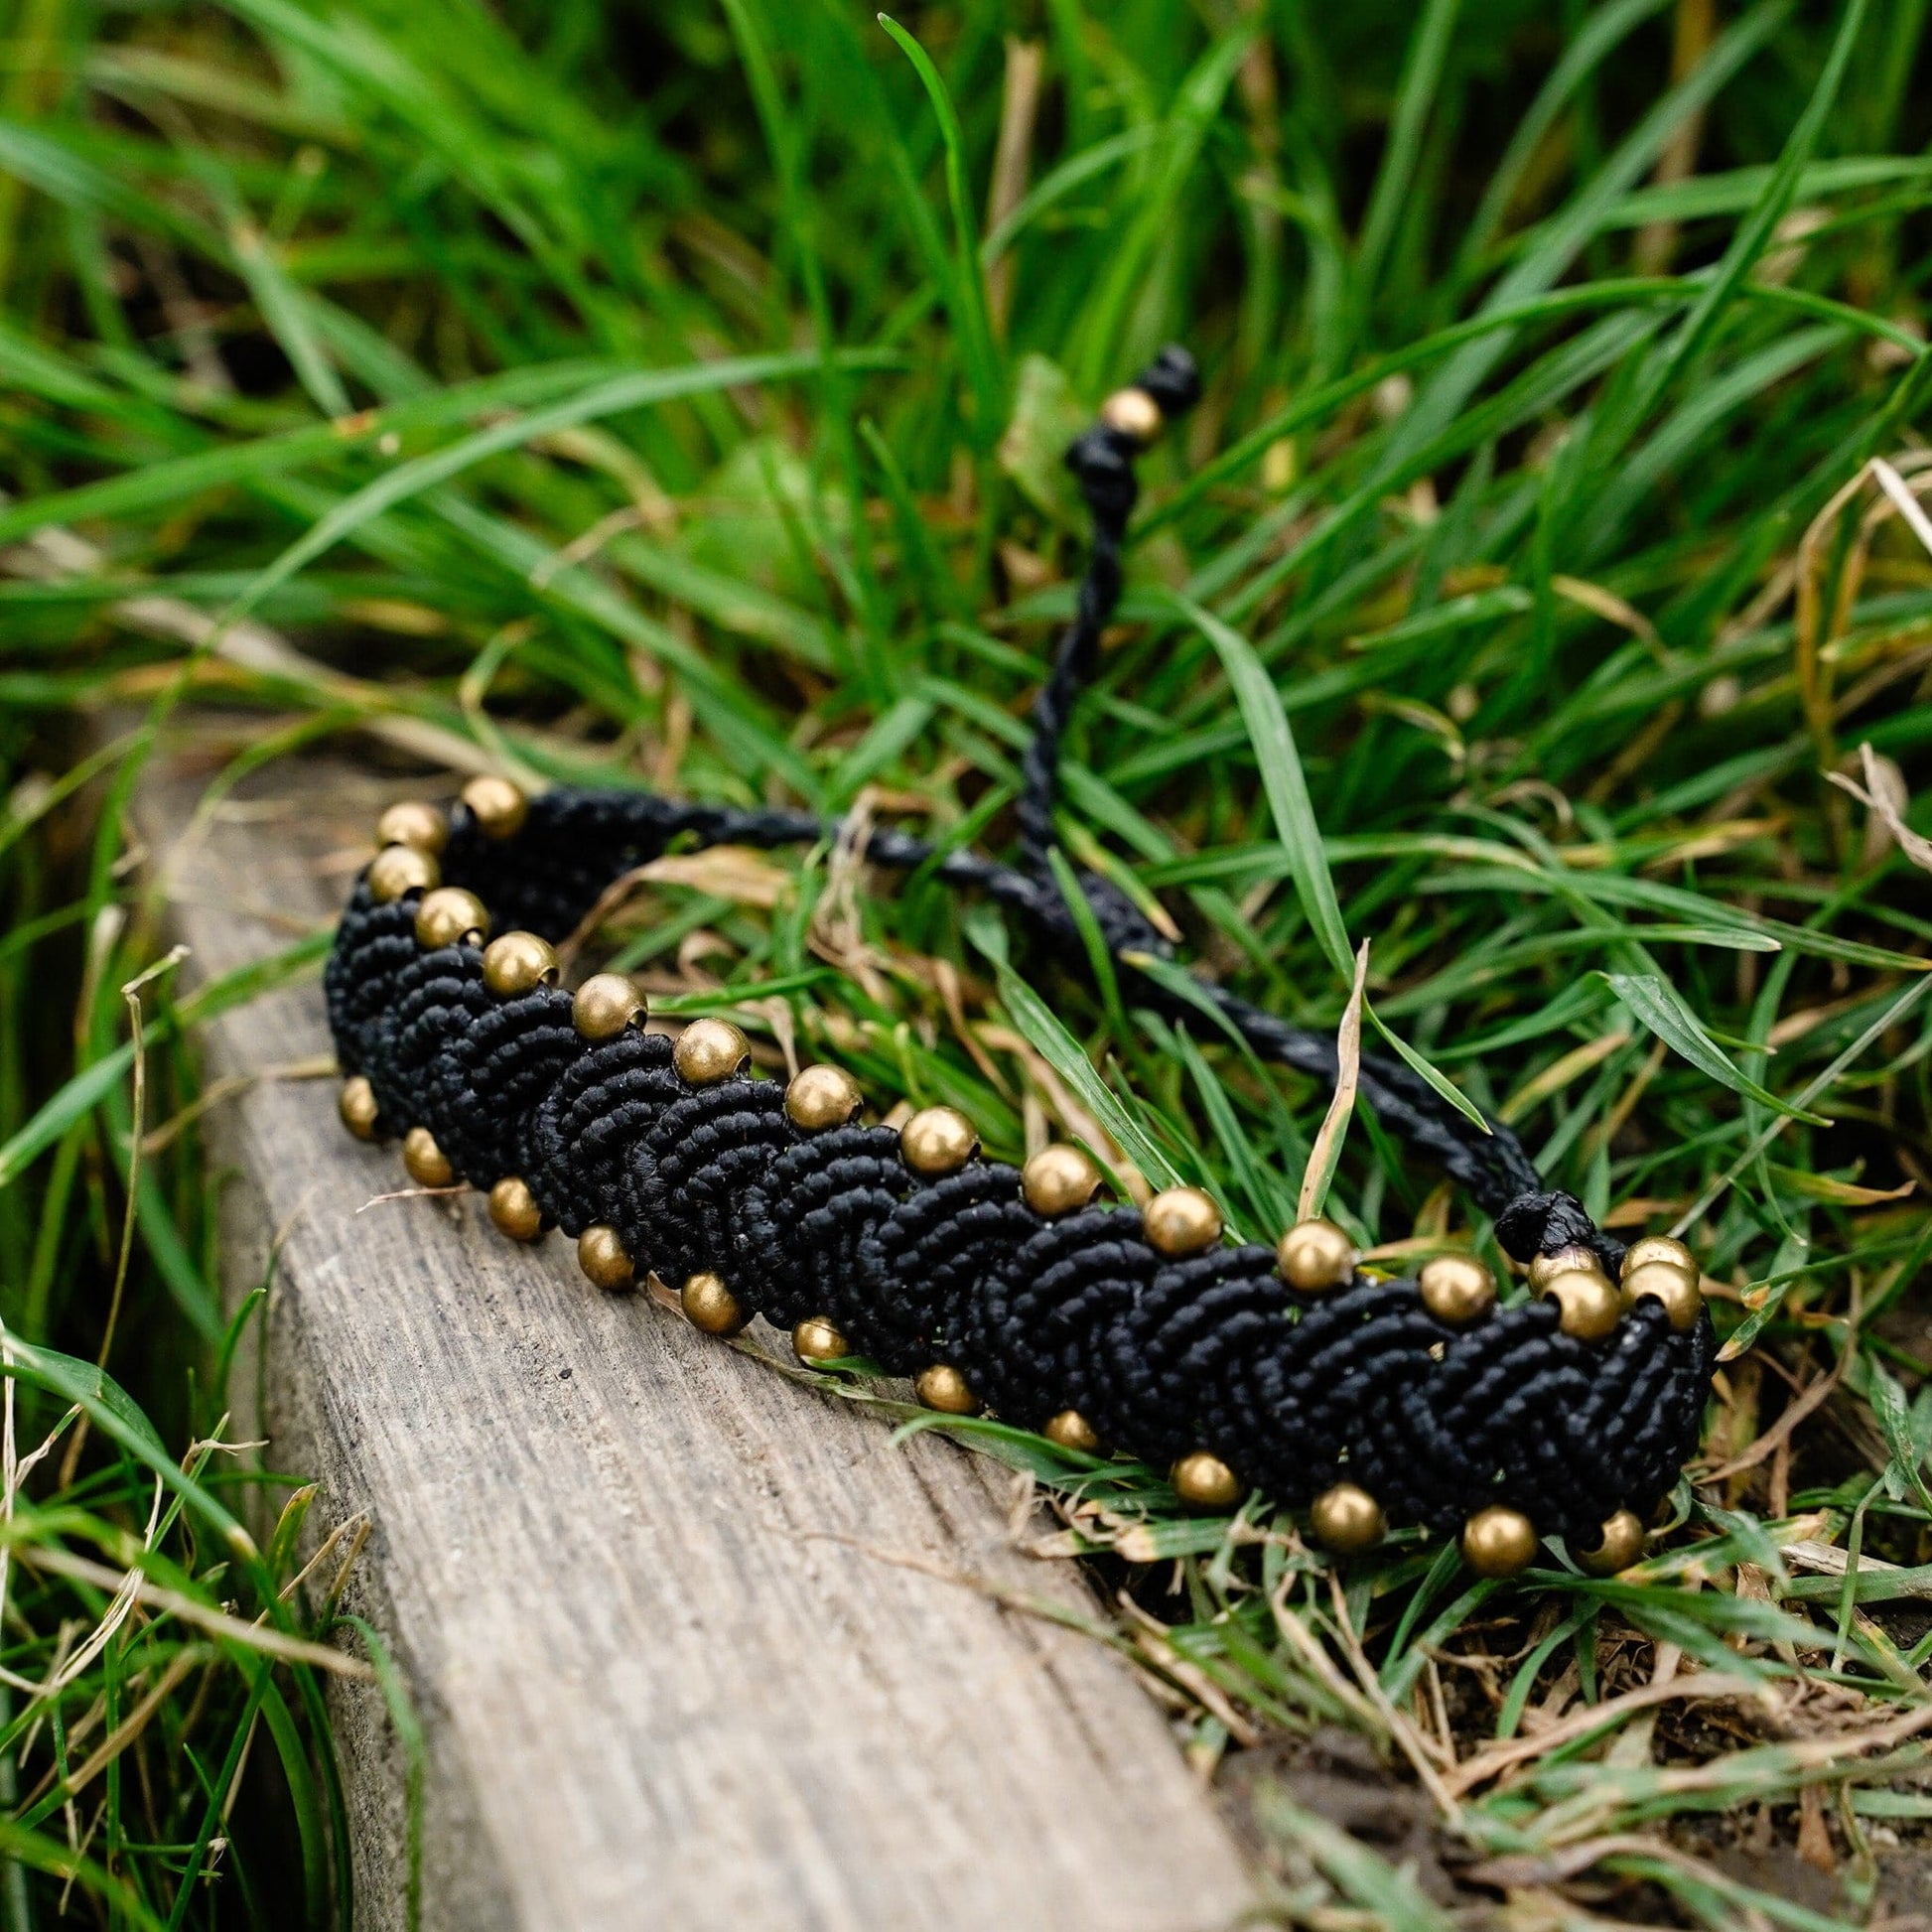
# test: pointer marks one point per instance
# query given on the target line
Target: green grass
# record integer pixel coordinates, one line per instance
(674, 395)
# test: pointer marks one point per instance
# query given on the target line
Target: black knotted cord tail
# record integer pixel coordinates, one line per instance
(1164, 1355)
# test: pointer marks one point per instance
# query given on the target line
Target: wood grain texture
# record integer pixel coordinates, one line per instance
(687, 1638)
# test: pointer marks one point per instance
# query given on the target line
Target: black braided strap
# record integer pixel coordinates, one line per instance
(1162, 1356)
(1203, 1352)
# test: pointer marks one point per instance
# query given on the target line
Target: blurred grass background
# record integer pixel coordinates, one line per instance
(673, 394)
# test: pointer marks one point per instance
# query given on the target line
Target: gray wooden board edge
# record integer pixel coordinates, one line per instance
(690, 1642)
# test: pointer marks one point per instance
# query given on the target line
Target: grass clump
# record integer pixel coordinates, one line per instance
(678, 400)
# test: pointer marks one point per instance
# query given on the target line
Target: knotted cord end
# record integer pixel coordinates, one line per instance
(1535, 1224)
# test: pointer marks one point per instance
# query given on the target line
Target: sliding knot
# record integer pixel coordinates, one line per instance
(1535, 1224)
(1102, 461)
(1173, 379)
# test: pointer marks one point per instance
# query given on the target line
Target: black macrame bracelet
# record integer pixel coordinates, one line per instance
(1372, 1402)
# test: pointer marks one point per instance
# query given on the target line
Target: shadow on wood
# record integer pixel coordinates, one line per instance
(684, 1636)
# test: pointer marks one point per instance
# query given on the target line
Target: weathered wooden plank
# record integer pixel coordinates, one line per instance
(681, 1631)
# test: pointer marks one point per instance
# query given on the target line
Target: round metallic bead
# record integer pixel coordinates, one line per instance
(605, 1003)
(710, 1050)
(1134, 413)
(943, 1388)
(1072, 1430)
(449, 915)
(1545, 1267)
(1315, 1256)
(822, 1097)
(709, 1304)
(1659, 1247)
(1205, 1482)
(819, 1339)
(1347, 1519)
(516, 963)
(356, 1105)
(1456, 1289)
(1180, 1221)
(1677, 1288)
(1498, 1541)
(600, 1255)
(1623, 1544)
(1591, 1307)
(400, 869)
(1059, 1180)
(498, 806)
(428, 1164)
(514, 1210)
(937, 1140)
(414, 822)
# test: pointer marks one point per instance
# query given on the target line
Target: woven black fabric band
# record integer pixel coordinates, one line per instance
(1162, 1356)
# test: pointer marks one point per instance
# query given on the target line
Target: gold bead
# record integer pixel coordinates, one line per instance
(519, 962)
(1498, 1542)
(1071, 1429)
(1180, 1221)
(1059, 1178)
(1205, 1482)
(1591, 1306)
(514, 1210)
(1347, 1519)
(414, 822)
(819, 1340)
(605, 1003)
(356, 1105)
(942, 1387)
(448, 915)
(1134, 413)
(1545, 1267)
(1677, 1288)
(1623, 1544)
(820, 1097)
(709, 1304)
(1456, 1288)
(400, 869)
(1659, 1247)
(710, 1050)
(600, 1255)
(1315, 1256)
(428, 1164)
(937, 1140)
(498, 806)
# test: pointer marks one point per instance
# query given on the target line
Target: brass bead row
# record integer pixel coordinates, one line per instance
(1501, 1542)
(1590, 1305)
(412, 835)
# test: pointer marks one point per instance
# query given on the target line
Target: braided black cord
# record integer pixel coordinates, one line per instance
(1162, 1356)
